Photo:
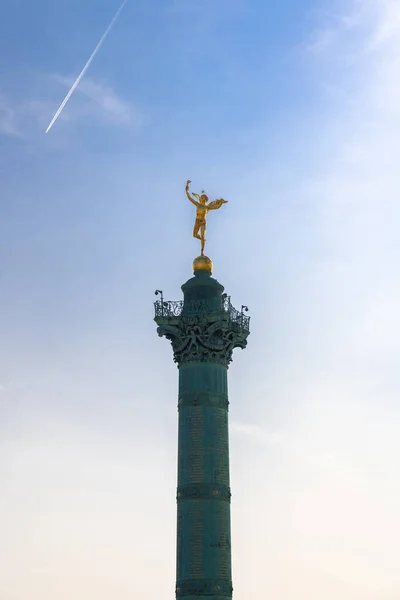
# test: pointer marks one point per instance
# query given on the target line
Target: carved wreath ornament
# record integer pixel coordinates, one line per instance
(199, 341)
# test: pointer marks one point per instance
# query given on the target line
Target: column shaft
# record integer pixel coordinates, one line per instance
(203, 525)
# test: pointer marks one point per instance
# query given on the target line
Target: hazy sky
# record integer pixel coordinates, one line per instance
(291, 111)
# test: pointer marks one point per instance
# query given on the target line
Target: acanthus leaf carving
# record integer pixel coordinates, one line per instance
(196, 339)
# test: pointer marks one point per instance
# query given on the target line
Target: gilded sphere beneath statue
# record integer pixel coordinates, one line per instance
(202, 263)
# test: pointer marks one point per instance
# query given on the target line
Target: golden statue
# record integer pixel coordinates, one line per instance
(202, 208)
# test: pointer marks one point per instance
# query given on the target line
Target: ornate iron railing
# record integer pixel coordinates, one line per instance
(168, 308)
(171, 309)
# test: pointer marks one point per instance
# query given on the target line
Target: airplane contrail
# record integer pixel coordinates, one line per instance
(85, 68)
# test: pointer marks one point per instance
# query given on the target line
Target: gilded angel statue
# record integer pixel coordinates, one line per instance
(202, 209)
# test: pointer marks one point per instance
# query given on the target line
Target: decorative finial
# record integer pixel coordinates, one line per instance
(202, 209)
(202, 264)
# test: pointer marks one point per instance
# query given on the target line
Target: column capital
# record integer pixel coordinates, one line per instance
(202, 329)
(197, 339)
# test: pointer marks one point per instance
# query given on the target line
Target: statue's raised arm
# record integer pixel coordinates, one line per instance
(192, 200)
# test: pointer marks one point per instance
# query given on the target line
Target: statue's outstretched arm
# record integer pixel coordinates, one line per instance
(192, 200)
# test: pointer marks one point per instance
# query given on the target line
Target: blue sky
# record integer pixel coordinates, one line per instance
(291, 112)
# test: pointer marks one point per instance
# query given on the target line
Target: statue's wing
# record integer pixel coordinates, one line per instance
(216, 204)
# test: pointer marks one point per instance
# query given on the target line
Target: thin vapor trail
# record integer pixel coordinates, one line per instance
(85, 68)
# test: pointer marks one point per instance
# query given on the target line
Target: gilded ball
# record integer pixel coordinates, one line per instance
(202, 263)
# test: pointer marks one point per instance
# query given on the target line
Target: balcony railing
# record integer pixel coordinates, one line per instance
(170, 309)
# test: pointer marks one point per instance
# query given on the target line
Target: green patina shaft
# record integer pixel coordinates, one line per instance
(203, 330)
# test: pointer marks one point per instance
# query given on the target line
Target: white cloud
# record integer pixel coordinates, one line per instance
(108, 101)
(339, 380)
(388, 29)
(97, 99)
(8, 117)
(320, 40)
(344, 27)
(19, 119)
(92, 101)
(356, 195)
